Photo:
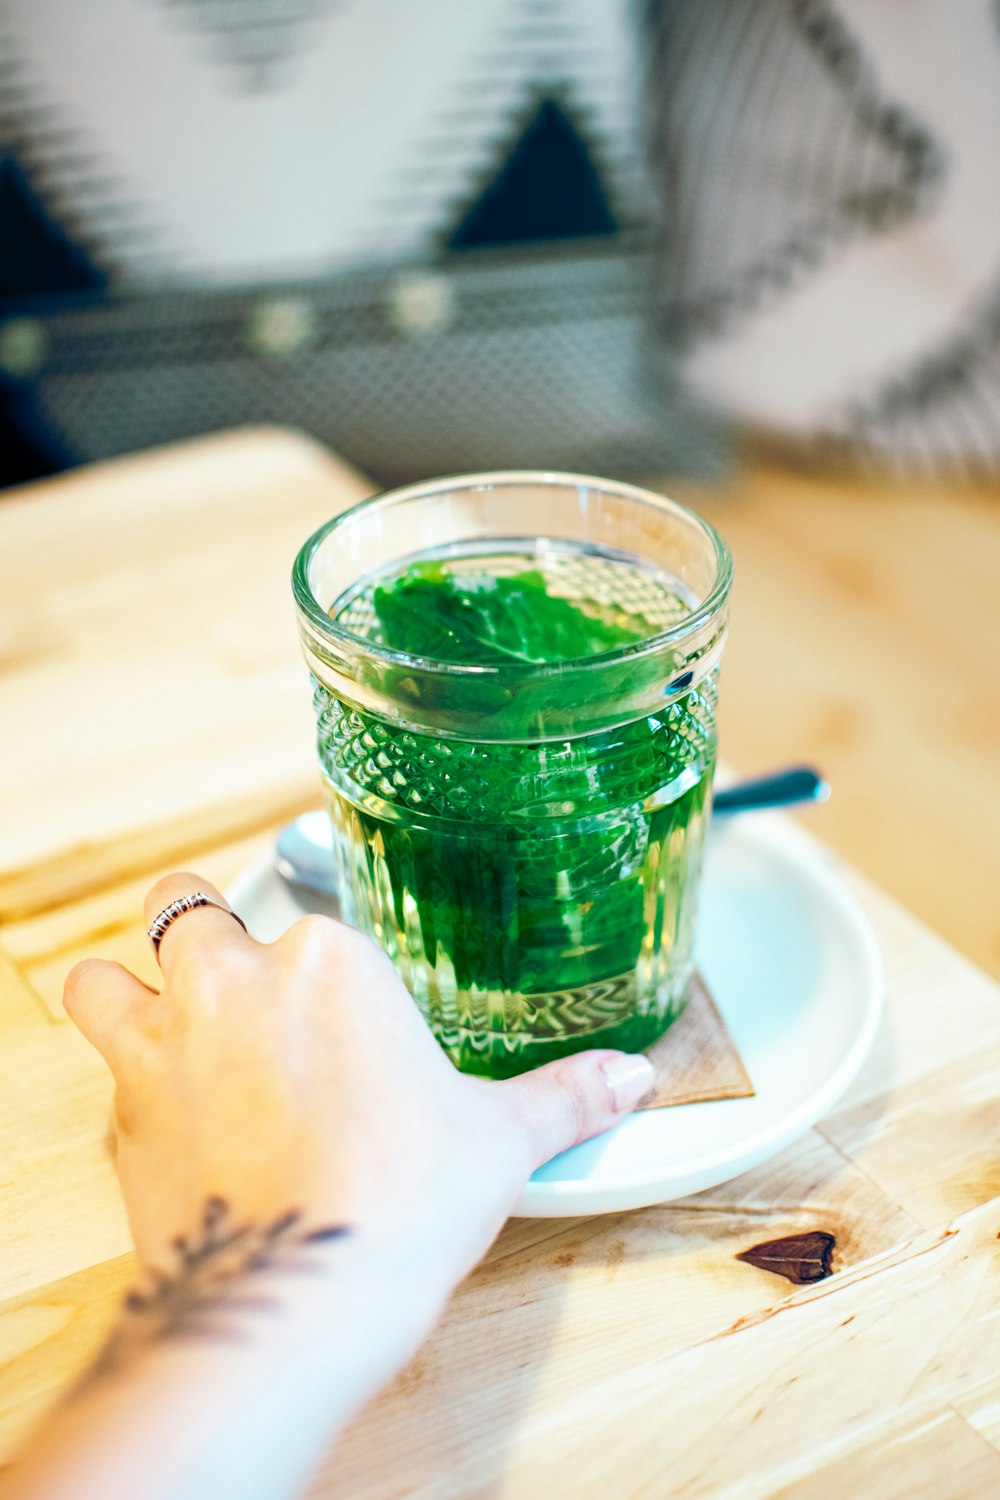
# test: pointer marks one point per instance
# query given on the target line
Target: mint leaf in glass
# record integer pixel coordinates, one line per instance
(478, 619)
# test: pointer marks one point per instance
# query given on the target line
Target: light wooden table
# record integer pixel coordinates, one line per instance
(866, 635)
(153, 712)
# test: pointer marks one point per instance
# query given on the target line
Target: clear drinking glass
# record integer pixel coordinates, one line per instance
(523, 836)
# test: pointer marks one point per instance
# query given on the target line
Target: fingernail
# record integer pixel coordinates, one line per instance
(629, 1076)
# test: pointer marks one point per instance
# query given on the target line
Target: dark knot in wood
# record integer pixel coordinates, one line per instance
(800, 1258)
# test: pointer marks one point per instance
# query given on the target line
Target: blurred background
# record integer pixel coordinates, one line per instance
(420, 231)
(746, 249)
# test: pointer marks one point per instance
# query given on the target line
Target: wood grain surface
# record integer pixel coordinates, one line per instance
(865, 637)
(822, 1326)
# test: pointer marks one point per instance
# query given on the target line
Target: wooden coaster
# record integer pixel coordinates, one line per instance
(696, 1058)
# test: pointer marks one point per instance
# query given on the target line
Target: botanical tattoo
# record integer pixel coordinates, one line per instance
(216, 1273)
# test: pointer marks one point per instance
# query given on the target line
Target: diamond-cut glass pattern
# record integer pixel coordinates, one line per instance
(535, 897)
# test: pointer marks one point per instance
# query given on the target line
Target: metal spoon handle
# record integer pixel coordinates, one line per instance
(304, 855)
(781, 789)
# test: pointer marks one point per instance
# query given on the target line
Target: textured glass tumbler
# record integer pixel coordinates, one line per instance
(523, 838)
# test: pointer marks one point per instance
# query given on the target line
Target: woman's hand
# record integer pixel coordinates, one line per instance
(300, 1077)
(307, 1177)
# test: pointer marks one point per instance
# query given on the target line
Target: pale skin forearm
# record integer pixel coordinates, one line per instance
(242, 1400)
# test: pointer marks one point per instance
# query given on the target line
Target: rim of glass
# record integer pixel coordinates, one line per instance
(502, 479)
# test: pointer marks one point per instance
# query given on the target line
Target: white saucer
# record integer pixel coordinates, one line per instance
(794, 967)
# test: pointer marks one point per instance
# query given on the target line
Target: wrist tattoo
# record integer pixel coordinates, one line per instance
(213, 1276)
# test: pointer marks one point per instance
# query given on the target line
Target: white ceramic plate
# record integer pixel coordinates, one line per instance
(794, 967)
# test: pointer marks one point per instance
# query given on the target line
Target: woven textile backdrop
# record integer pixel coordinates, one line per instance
(417, 228)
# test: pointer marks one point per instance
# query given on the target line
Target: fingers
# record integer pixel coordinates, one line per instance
(205, 929)
(99, 997)
(569, 1101)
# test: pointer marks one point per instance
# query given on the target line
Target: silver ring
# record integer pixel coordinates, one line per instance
(177, 909)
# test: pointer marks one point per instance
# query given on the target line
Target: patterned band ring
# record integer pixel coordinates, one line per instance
(177, 909)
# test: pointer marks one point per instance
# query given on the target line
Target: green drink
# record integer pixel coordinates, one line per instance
(517, 736)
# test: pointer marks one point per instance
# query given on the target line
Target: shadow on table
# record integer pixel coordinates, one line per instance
(446, 1423)
(559, 1305)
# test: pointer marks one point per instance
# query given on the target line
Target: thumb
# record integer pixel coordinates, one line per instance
(570, 1100)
